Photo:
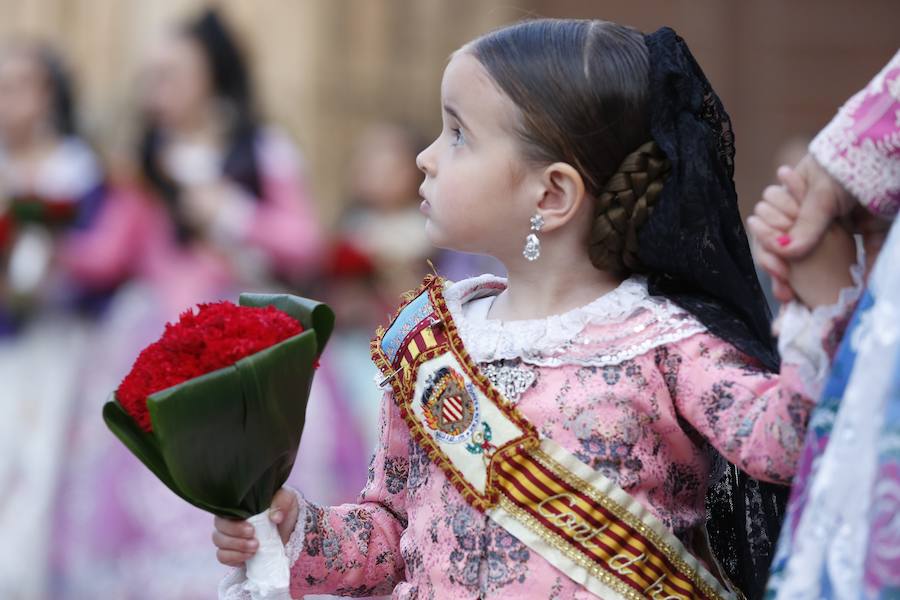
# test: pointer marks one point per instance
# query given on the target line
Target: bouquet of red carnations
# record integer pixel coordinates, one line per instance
(215, 408)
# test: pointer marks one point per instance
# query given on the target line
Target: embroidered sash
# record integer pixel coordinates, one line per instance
(577, 519)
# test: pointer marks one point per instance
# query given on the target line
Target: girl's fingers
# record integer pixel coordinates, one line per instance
(780, 197)
(224, 542)
(773, 216)
(766, 237)
(774, 266)
(234, 528)
(231, 558)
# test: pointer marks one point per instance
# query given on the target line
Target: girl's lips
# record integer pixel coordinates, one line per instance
(424, 206)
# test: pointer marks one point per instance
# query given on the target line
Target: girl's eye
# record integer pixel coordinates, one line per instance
(457, 136)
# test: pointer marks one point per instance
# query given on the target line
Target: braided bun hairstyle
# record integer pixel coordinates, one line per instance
(623, 206)
(581, 88)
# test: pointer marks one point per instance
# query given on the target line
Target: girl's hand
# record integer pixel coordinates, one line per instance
(234, 540)
(819, 276)
(773, 216)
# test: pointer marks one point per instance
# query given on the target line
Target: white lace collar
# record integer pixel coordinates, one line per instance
(632, 322)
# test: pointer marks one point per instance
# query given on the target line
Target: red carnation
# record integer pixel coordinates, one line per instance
(216, 336)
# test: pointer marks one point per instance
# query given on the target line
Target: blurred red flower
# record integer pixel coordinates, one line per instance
(215, 336)
(5, 229)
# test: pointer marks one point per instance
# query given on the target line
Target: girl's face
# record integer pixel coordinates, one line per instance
(177, 87)
(477, 187)
(24, 95)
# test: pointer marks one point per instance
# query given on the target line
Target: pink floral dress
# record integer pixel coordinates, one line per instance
(631, 384)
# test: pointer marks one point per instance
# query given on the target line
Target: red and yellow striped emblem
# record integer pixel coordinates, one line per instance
(419, 340)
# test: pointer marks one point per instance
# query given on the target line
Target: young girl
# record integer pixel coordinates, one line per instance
(553, 434)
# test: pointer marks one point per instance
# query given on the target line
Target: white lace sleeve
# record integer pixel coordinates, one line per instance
(294, 545)
(801, 342)
(234, 585)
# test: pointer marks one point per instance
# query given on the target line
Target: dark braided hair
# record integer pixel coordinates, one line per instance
(624, 206)
(582, 89)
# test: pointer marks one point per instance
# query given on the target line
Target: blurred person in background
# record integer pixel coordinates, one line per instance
(50, 184)
(382, 219)
(221, 198)
(50, 181)
(220, 207)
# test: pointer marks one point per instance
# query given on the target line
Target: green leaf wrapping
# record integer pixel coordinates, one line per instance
(226, 441)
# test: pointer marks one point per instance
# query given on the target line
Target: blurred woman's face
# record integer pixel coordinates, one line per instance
(381, 150)
(24, 96)
(177, 86)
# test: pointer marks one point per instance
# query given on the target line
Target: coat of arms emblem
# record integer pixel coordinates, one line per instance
(450, 406)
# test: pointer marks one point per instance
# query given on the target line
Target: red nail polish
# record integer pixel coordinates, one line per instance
(784, 240)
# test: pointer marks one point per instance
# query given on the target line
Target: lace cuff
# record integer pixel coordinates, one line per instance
(803, 341)
(234, 585)
(294, 545)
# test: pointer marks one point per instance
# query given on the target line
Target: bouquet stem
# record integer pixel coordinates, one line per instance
(268, 572)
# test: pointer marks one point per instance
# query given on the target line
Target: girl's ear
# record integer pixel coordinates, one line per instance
(563, 195)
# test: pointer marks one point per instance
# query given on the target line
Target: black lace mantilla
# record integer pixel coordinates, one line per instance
(694, 242)
(697, 254)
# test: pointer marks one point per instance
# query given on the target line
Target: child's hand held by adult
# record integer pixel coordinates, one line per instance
(773, 216)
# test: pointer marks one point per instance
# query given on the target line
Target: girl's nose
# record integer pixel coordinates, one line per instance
(425, 160)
